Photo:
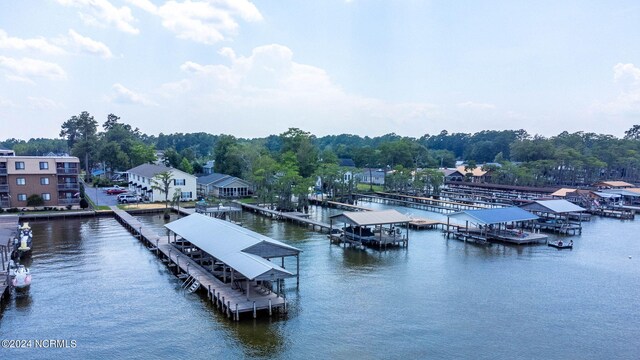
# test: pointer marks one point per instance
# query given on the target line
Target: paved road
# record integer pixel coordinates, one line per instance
(99, 196)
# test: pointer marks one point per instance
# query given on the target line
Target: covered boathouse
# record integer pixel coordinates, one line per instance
(239, 258)
(372, 228)
(555, 215)
(500, 224)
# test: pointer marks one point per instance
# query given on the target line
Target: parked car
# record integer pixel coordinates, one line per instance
(116, 191)
(128, 198)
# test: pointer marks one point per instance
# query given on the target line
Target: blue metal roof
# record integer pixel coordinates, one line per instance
(494, 216)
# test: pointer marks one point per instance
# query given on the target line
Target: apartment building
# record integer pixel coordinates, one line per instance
(142, 181)
(54, 178)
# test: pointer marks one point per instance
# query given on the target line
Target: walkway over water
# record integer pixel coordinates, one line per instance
(429, 204)
(231, 301)
(8, 226)
(291, 216)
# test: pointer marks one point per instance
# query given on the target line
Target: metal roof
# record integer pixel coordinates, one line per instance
(494, 216)
(623, 192)
(151, 170)
(607, 195)
(562, 192)
(371, 217)
(234, 245)
(552, 206)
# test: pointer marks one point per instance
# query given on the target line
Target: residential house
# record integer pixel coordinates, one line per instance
(142, 181)
(223, 186)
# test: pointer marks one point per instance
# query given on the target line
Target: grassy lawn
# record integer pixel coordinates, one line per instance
(367, 187)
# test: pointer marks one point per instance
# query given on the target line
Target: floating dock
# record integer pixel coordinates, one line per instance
(294, 217)
(228, 299)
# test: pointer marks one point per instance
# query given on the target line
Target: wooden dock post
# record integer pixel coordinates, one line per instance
(270, 311)
(209, 292)
(237, 313)
(254, 309)
(229, 308)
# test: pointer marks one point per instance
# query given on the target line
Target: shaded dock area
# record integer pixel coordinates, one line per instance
(376, 229)
(233, 297)
(501, 224)
(8, 231)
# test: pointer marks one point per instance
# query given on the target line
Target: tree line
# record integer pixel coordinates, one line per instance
(285, 165)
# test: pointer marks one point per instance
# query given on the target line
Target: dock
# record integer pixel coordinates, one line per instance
(8, 229)
(230, 299)
(294, 217)
(424, 203)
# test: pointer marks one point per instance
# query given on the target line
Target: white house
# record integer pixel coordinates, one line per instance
(223, 186)
(141, 181)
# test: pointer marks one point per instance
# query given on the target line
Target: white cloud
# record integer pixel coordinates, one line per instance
(40, 44)
(627, 101)
(6, 103)
(206, 22)
(271, 91)
(27, 68)
(42, 103)
(89, 45)
(626, 71)
(101, 13)
(476, 106)
(122, 95)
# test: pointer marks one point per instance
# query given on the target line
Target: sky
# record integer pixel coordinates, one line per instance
(365, 67)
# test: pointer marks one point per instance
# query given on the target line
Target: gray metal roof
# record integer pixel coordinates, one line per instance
(552, 206)
(151, 170)
(236, 246)
(365, 218)
(494, 216)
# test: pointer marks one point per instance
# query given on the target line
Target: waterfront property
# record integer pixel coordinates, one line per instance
(502, 224)
(239, 257)
(555, 215)
(141, 181)
(374, 228)
(52, 178)
(223, 186)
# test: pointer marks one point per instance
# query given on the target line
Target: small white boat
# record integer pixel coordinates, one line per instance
(21, 276)
(23, 242)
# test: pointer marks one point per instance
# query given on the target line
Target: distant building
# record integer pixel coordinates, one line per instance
(7, 152)
(223, 186)
(207, 169)
(141, 181)
(372, 176)
(53, 178)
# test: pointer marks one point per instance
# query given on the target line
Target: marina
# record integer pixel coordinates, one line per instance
(155, 309)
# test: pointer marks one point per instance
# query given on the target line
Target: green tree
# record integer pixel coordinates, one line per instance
(80, 132)
(35, 200)
(185, 166)
(162, 182)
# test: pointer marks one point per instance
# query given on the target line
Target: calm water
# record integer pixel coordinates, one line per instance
(96, 284)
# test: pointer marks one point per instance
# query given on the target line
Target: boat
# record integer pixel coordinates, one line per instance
(560, 244)
(20, 275)
(23, 242)
(361, 233)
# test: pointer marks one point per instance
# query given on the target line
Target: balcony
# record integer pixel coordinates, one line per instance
(4, 188)
(4, 203)
(71, 171)
(69, 186)
(71, 201)
(3, 171)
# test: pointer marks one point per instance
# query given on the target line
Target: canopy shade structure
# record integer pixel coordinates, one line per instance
(562, 192)
(243, 250)
(494, 216)
(623, 192)
(552, 206)
(368, 218)
(605, 195)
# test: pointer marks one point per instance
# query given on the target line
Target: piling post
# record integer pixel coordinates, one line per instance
(270, 311)
(229, 308)
(237, 313)
(223, 303)
(254, 309)
(209, 292)
(157, 247)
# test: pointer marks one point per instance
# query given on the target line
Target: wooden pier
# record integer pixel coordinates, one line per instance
(8, 231)
(229, 298)
(423, 203)
(289, 216)
(619, 213)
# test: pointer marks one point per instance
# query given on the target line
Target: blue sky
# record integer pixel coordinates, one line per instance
(255, 68)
